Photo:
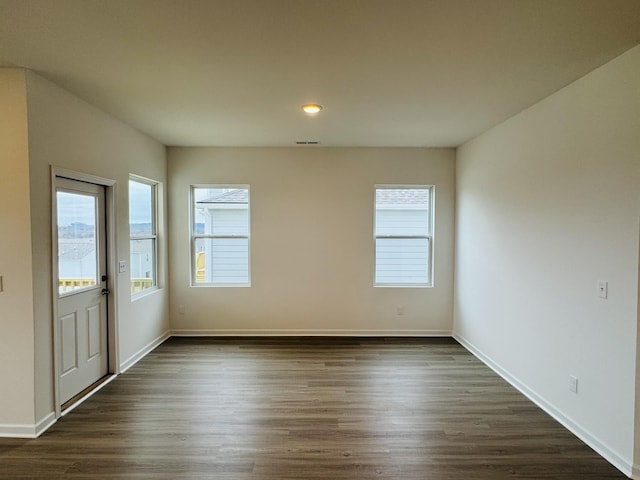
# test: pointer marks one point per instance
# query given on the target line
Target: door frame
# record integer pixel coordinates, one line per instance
(113, 363)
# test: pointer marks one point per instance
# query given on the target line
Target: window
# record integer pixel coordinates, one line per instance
(403, 235)
(143, 235)
(220, 235)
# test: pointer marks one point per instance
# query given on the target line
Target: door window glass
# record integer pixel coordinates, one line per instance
(77, 252)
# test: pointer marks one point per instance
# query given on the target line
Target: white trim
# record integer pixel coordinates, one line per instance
(45, 423)
(28, 431)
(193, 236)
(140, 354)
(112, 266)
(81, 176)
(35, 430)
(109, 186)
(154, 236)
(145, 293)
(90, 393)
(308, 333)
(430, 236)
(623, 464)
(18, 431)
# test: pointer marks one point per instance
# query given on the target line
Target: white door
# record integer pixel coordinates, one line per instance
(81, 321)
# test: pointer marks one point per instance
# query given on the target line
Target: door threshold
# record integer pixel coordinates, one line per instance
(69, 405)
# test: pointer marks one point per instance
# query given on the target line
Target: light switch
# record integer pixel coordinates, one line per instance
(122, 266)
(573, 384)
(603, 288)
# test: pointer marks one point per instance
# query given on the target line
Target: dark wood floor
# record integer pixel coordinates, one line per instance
(328, 408)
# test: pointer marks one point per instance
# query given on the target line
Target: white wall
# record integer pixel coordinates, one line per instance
(16, 310)
(636, 443)
(548, 204)
(66, 132)
(311, 241)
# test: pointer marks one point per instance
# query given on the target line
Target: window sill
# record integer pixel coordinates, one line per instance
(402, 286)
(145, 293)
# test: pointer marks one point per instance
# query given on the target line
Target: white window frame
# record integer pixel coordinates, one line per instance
(194, 236)
(429, 236)
(153, 237)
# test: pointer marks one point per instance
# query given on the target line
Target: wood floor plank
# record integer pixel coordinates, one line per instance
(306, 408)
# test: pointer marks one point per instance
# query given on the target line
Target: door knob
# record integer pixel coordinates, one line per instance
(105, 291)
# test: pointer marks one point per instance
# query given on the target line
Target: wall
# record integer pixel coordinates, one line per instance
(636, 442)
(66, 132)
(16, 312)
(547, 206)
(311, 242)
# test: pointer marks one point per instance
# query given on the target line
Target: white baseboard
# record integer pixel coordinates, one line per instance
(140, 354)
(104, 383)
(18, 431)
(624, 465)
(35, 430)
(308, 333)
(46, 423)
(618, 461)
(28, 430)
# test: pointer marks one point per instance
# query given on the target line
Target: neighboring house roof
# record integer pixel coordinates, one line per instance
(240, 195)
(402, 196)
(386, 196)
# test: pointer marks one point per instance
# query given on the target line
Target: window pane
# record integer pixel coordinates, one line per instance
(402, 261)
(77, 253)
(221, 211)
(402, 231)
(222, 260)
(142, 264)
(402, 211)
(141, 221)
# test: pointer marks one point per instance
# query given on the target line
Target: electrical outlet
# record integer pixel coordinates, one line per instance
(400, 310)
(573, 384)
(181, 309)
(122, 266)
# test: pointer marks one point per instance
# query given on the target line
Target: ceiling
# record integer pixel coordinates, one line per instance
(388, 72)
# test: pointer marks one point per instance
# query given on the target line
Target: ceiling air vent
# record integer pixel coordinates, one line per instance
(308, 142)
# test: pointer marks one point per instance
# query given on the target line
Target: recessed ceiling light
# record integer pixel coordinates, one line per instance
(311, 108)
